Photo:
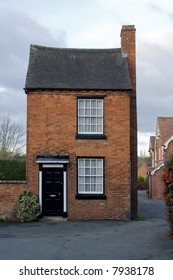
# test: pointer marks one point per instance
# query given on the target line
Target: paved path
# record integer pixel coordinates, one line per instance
(146, 239)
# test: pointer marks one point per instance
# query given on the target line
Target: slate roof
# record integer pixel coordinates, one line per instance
(97, 69)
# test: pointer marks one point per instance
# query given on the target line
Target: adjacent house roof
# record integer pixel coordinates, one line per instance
(165, 127)
(97, 69)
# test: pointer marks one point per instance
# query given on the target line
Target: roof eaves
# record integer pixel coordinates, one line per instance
(161, 164)
(27, 89)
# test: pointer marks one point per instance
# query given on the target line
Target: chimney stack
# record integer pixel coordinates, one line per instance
(128, 46)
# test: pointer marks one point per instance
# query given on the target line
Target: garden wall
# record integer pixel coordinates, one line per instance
(9, 195)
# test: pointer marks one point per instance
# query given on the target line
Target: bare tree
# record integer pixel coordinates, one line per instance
(11, 138)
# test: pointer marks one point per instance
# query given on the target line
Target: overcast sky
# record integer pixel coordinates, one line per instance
(90, 24)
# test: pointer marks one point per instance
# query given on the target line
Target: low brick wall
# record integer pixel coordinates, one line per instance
(9, 195)
(143, 186)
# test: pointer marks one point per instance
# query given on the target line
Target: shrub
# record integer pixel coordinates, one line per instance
(3, 218)
(141, 179)
(28, 209)
(168, 191)
(13, 169)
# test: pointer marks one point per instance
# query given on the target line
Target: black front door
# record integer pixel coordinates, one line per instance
(52, 191)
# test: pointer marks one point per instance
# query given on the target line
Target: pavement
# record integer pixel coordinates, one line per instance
(52, 239)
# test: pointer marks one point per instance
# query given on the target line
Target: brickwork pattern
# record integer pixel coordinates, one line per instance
(128, 45)
(156, 185)
(51, 130)
(9, 195)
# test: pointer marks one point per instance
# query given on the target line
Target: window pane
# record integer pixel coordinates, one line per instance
(93, 171)
(81, 188)
(93, 112)
(87, 120)
(93, 187)
(81, 120)
(87, 128)
(93, 128)
(99, 180)
(99, 171)
(81, 112)
(81, 180)
(81, 103)
(99, 162)
(87, 171)
(87, 103)
(81, 171)
(99, 188)
(93, 103)
(93, 163)
(87, 187)
(99, 112)
(87, 180)
(93, 180)
(81, 162)
(99, 121)
(93, 120)
(87, 112)
(81, 128)
(87, 163)
(99, 103)
(99, 128)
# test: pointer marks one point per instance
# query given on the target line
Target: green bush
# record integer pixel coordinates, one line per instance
(13, 170)
(28, 209)
(141, 179)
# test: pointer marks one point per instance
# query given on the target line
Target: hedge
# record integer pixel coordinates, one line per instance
(13, 170)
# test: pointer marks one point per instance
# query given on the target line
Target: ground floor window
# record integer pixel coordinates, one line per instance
(90, 175)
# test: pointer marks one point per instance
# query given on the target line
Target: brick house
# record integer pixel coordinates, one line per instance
(81, 130)
(160, 148)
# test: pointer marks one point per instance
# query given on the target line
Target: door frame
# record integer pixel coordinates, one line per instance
(59, 163)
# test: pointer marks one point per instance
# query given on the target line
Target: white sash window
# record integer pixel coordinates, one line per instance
(90, 116)
(90, 176)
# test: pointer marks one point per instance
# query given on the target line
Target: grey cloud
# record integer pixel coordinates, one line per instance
(18, 31)
(13, 103)
(155, 84)
(158, 9)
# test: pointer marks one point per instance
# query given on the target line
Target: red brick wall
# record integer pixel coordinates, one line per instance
(169, 151)
(9, 195)
(156, 185)
(51, 129)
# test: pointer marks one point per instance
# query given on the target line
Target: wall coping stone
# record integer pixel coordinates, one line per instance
(12, 182)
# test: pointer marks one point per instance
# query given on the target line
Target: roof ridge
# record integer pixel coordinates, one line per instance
(74, 49)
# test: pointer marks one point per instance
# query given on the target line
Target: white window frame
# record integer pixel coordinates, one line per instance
(90, 117)
(90, 176)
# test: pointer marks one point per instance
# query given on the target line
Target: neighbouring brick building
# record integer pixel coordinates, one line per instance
(82, 131)
(160, 149)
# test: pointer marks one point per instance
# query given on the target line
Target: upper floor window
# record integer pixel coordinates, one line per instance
(90, 116)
